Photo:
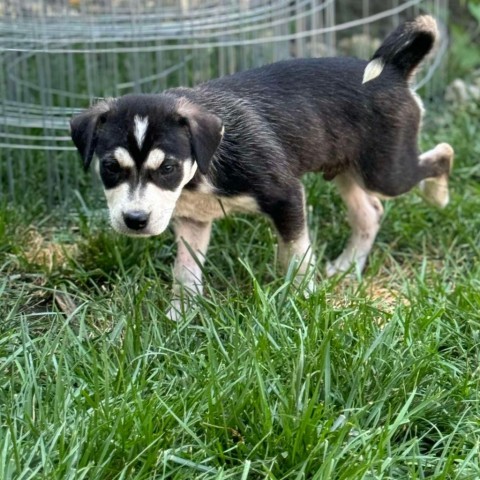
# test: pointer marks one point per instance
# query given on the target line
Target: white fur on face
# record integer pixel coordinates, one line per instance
(155, 159)
(123, 158)
(140, 125)
(158, 203)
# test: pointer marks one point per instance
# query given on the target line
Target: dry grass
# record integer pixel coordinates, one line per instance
(42, 250)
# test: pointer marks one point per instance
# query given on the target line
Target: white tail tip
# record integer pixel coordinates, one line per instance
(373, 70)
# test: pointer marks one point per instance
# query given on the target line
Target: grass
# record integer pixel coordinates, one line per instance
(372, 378)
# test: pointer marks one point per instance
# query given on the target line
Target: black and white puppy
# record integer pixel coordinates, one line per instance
(241, 143)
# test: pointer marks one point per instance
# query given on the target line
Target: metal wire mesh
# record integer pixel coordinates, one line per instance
(56, 56)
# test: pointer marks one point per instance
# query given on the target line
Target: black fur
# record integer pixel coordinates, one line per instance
(281, 121)
(104, 128)
(406, 46)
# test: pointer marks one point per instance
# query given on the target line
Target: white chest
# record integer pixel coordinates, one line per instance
(206, 207)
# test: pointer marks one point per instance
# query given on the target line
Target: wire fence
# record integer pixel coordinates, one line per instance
(57, 56)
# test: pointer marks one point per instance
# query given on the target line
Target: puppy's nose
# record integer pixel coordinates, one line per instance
(136, 219)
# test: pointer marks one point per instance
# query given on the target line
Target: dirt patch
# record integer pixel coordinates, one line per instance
(388, 296)
(41, 249)
(379, 290)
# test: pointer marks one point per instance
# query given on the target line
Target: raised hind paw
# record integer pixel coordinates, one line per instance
(434, 190)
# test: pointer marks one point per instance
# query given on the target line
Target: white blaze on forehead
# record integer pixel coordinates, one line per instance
(155, 159)
(124, 159)
(140, 125)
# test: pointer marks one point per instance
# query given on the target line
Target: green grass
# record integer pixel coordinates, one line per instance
(375, 378)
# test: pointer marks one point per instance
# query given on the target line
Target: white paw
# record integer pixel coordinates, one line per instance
(435, 191)
(177, 310)
(333, 268)
(345, 263)
(307, 287)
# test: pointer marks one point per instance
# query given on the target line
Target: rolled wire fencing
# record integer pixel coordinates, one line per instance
(58, 56)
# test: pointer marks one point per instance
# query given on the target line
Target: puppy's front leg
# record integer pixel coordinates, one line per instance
(290, 219)
(299, 250)
(192, 243)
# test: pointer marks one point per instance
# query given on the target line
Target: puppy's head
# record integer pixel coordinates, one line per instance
(149, 147)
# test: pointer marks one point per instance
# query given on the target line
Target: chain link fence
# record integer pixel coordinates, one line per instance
(57, 56)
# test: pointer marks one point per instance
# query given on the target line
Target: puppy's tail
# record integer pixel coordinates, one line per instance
(404, 48)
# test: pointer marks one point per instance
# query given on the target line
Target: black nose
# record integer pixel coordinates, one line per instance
(136, 219)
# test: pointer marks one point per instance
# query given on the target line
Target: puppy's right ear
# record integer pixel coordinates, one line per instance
(83, 129)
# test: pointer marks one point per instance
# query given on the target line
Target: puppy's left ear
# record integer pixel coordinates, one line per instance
(83, 129)
(206, 131)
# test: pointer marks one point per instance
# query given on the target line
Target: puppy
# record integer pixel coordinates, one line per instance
(241, 143)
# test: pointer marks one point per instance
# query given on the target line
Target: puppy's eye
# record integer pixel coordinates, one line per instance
(111, 166)
(167, 168)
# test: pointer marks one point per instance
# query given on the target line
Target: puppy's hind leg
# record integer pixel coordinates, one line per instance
(364, 214)
(193, 238)
(438, 162)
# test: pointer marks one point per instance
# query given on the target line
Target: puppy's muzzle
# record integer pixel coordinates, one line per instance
(136, 219)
